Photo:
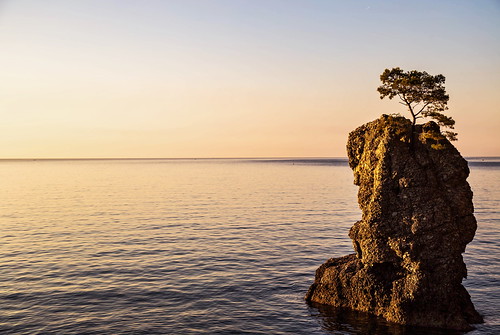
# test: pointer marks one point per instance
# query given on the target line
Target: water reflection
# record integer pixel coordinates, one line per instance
(344, 321)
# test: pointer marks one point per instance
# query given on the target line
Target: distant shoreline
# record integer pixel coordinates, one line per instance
(482, 162)
(177, 158)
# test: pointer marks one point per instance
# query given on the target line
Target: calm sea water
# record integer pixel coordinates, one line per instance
(196, 246)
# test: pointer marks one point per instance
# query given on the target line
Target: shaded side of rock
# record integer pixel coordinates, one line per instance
(417, 218)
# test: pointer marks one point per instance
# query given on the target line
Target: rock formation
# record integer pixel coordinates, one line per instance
(417, 219)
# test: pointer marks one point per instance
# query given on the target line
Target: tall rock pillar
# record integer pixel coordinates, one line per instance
(417, 218)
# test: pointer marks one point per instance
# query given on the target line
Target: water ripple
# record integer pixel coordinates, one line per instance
(195, 247)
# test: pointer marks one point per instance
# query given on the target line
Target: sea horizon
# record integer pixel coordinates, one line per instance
(207, 158)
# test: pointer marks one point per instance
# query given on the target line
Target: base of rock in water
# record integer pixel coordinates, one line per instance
(417, 220)
(340, 320)
(385, 290)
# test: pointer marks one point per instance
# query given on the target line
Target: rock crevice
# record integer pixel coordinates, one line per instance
(417, 218)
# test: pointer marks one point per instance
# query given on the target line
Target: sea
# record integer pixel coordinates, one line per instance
(198, 246)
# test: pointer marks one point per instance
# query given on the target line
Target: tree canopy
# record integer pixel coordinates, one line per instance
(423, 94)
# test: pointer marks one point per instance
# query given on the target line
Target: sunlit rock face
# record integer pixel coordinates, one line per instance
(417, 220)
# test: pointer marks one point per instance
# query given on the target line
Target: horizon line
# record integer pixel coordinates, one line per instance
(165, 158)
(198, 158)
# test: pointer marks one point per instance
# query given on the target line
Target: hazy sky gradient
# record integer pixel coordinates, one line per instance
(233, 78)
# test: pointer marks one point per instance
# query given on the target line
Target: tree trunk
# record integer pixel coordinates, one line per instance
(412, 136)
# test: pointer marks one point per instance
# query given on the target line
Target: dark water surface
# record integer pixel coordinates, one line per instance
(196, 246)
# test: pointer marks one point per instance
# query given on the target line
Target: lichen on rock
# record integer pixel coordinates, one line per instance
(417, 218)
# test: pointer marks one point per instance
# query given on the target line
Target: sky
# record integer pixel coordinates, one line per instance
(233, 78)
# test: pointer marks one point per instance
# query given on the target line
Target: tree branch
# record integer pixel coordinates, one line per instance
(422, 109)
(406, 102)
(410, 107)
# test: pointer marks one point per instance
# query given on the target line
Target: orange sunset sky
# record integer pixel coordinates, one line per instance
(233, 78)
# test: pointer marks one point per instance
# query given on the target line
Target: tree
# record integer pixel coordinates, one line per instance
(423, 94)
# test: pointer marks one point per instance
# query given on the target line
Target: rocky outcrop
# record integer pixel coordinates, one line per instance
(417, 219)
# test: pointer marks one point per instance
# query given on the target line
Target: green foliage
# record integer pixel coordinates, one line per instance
(435, 139)
(450, 135)
(423, 94)
(397, 125)
(437, 146)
